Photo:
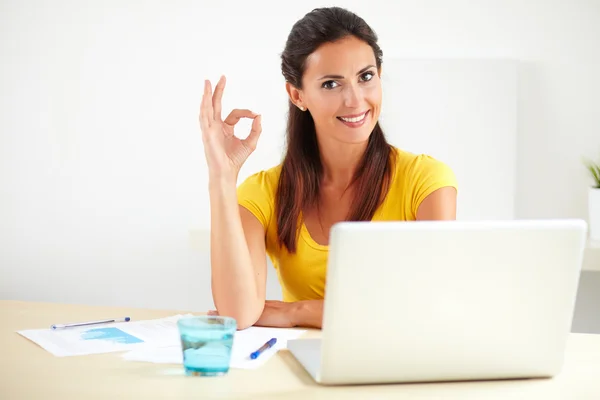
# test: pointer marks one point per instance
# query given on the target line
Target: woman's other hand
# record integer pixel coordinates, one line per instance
(279, 314)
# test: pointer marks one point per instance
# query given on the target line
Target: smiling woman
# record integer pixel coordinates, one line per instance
(338, 166)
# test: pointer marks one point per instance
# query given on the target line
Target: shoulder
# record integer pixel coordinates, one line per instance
(415, 168)
(411, 162)
(257, 194)
(264, 181)
(417, 176)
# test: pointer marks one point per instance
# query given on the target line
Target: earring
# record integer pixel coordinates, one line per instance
(301, 108)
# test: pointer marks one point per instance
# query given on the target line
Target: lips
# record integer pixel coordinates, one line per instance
(354, 118)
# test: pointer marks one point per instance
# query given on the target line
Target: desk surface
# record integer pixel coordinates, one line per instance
(29, 372)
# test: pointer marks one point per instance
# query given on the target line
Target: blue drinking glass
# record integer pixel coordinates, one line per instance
(206, 342)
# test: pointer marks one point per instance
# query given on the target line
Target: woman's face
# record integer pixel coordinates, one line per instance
(342, 90)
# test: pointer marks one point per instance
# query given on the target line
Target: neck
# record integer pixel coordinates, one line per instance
(340, 161)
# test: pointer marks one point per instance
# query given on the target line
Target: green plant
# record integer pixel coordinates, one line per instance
(595, 171)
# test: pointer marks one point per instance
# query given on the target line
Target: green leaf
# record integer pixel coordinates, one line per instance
(594, 170)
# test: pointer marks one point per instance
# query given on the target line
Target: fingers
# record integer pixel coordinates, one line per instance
(206, 109)
(237, 114)
(216, 99)
(252, 139)
(213, 312)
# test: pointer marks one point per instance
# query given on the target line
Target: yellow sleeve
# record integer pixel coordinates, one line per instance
(256, 196)
(428, 175)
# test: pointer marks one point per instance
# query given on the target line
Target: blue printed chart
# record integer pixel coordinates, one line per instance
(107, 338)
(114, 335)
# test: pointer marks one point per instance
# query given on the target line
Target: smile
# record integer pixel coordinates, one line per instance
(354, 120)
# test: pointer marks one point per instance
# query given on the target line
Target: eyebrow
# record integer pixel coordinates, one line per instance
(341, 77)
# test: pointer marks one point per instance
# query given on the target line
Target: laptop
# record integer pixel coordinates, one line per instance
(438, 301)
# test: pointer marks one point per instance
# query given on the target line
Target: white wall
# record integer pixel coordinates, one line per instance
(102, 175)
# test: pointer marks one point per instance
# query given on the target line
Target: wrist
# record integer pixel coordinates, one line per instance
(296, 312)
(223, 183)
(222, 179)
(306, 313)
(302, 313)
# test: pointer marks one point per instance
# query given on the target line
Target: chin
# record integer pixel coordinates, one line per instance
(354, 137)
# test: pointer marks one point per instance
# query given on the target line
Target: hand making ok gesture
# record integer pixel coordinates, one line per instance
(225, 153)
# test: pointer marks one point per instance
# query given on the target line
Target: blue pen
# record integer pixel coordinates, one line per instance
(264, 347)
(76, 324)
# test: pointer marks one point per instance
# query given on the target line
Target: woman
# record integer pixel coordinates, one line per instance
(338, 166)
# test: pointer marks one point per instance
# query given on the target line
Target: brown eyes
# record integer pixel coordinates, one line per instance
(364, 77)
(367, 76)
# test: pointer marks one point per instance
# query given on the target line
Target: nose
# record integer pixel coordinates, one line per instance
(352, 96)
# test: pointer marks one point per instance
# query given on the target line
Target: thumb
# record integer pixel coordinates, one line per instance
(252, 138)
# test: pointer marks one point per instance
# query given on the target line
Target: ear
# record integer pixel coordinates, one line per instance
(295, 95)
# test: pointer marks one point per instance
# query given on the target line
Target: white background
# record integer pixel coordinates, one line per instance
(102, 174)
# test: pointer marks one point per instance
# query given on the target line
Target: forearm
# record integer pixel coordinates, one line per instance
(233, 279)
(308, 313)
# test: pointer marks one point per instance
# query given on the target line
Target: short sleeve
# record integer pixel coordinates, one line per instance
(256, 195)
(429, 175)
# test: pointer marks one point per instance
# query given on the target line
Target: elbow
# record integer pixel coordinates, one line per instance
(245, 323)
(246, 320)
(244, 317)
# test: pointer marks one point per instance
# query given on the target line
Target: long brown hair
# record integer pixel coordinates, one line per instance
(302, 170)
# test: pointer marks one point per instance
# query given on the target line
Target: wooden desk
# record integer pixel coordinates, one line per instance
(29, 372)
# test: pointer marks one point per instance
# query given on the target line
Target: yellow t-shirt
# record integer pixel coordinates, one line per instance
(302, 275)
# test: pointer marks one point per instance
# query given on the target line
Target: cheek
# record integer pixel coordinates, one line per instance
(373, 95)
(325, 106)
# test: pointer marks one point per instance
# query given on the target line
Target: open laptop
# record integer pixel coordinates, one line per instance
(446, 301)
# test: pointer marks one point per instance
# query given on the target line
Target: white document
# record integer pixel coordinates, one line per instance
(244, 343)
(106, 338)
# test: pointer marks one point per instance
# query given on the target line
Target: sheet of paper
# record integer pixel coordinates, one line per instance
(244, 343)
(158, 332)
(106, 338)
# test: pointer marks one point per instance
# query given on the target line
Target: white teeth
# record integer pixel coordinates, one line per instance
(356, 119)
